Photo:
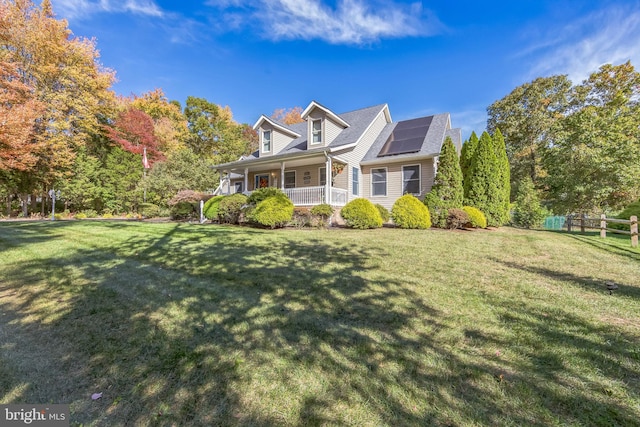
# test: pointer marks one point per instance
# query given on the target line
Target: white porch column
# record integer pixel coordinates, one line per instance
(327, 191)
(228, 179)
(282, 176)
(246, 179)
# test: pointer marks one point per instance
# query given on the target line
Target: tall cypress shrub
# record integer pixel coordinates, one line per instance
(466, 155)
(447, 191)
(504, 175)
(482, 189)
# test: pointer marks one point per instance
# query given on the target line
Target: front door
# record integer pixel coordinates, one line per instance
(262, 181)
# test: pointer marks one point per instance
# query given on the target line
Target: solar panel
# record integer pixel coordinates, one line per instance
(406, 137)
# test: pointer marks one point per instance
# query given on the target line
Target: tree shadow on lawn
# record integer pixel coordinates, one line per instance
(224, 327)
(594, 284)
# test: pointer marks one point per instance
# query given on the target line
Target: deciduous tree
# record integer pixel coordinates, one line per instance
(527, 117)
(288, 117)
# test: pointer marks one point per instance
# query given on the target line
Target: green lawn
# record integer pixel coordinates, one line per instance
(181, 324)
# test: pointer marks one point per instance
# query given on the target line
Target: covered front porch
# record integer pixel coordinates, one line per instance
(307, 180)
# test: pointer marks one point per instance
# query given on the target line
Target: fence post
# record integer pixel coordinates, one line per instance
(634, 231)
(582, 217)
(603, 226)
(569, 218)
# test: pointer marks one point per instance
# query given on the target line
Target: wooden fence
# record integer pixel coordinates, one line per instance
(584, 222)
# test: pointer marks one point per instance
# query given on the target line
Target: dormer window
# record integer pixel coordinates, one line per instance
(266, 141)
(316, 129)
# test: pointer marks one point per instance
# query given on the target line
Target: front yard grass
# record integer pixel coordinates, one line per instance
(179, 324)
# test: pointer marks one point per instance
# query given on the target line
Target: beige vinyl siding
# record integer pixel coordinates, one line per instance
(341, 180)
(394, 181)
(355, 156)
(332, 130)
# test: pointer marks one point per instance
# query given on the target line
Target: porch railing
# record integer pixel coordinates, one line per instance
(311, 196)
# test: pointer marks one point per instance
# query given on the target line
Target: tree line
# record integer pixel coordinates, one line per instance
(577, 145)
(62, 126)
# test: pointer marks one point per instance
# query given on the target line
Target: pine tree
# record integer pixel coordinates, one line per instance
(482, 185)
(446, 192)
(504, 175)
(466, 155)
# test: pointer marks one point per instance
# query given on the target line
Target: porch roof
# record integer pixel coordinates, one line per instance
(253, 163)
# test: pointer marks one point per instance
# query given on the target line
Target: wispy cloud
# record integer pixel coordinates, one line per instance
(579, 48)
(73, 9)
(349, 22)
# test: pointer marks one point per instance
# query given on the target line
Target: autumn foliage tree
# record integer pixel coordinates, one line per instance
(288, 117)
(18, 113)
(133, 130)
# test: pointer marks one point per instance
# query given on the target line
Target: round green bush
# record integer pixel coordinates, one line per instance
(361, 213)
(409, 212)
(274, 211)
(211, 208)
(456, 218)
(384, 213)
(148, 210)
(263, 193)
(80, 215)
(476, 217)
(230, 208)
(183, 210)
(438, 209)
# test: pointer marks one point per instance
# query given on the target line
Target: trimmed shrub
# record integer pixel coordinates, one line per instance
(627, 213)
(409, 212)
(361, 213)
(211, 208)
(89, 213)
(79, 215)
(456, 218)
(274, 211)
(230, 208)
(476, 217)
(149, 210)
(323, 212)
(263, 193)
(186, 204)
(384, 213)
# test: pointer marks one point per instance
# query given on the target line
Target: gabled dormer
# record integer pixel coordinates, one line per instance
(272, 136)
(323, 125)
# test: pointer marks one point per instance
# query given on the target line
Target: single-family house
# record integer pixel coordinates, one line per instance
(334, 158)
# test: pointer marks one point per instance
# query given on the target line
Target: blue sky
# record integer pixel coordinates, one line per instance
(419, 57)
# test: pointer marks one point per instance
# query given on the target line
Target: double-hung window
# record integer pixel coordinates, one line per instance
(290, 179)
(266, 141)
(355, 181)
(316, 130)
(323, 176)
(411, 179)
(379, 182)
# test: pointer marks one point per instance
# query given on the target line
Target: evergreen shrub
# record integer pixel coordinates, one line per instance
(301, 218)
(476, 217)
(263, 193)
(409, 212)
(79, 215)
(148, 210)
(362, 214)
(384, 213)
(274, 211)
(438, 209)
(322, 212)
(230, 208)
(456, 218)
(211, 208)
